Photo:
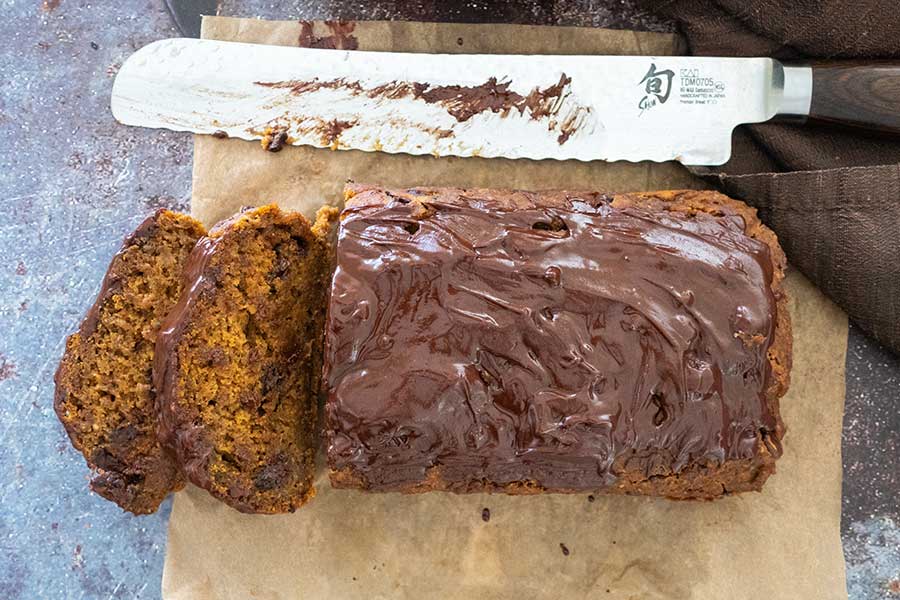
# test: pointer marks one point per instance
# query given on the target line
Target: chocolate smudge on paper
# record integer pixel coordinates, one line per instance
(340, 38)
(464, 102)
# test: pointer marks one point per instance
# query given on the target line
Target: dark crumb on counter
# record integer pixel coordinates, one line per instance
(354, 578)
(95, 46)
(7, 369)
(459, 41)
(21, 269)
(564, 548)
(591, 498)
(219, 134)
(486, 515)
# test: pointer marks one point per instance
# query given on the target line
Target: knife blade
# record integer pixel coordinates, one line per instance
(537, 107)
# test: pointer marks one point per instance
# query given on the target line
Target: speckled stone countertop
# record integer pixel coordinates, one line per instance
(74, 183)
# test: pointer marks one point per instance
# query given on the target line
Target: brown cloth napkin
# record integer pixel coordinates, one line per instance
(832, 195)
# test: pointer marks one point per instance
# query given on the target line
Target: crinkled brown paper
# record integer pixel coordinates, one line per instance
(781, 543)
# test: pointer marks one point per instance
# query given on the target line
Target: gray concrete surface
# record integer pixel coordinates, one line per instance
(74, 183)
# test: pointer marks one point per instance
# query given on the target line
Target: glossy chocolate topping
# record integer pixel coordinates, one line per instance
(560, 343)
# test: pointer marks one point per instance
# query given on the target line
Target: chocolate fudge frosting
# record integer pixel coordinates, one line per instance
(557, 340)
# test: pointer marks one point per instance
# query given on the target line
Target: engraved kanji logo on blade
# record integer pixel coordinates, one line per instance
(657, 87)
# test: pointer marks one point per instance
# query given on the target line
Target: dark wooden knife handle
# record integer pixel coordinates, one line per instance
(863, 94)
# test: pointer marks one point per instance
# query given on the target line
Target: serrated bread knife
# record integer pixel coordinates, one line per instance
(632, 108)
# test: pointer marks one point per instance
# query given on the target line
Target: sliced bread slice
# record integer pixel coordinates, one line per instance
(104, 394)
(238, 360)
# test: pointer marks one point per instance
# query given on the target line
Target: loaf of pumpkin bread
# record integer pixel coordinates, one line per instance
(490, 340)
(475, 340)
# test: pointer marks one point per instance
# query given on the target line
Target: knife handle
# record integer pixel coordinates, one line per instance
(859, 94)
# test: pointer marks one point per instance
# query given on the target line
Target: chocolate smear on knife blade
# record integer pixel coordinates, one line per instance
(328, 131)
(333, 130)
(299, 87)
(464, 102)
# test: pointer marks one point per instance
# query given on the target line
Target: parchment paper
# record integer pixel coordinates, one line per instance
(781, 543)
